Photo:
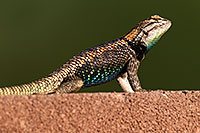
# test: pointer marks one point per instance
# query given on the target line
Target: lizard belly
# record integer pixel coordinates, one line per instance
(92, 76)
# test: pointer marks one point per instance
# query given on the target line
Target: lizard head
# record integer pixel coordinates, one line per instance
(148, 32)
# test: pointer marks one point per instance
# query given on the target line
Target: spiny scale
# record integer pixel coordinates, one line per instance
(103, 63)
(116, 59)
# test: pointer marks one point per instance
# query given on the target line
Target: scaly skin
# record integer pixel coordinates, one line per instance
(116, 59)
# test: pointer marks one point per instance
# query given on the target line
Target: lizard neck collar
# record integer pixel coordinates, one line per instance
(139, 49)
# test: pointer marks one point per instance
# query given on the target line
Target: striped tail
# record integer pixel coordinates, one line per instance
(43, 86)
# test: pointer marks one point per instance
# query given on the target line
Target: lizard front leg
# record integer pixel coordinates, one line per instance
(132, 70)
(124, 83)
(129, 80)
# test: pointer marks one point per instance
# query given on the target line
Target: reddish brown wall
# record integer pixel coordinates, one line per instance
(99, 112)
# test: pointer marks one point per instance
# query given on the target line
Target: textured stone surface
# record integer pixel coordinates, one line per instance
(156, 111)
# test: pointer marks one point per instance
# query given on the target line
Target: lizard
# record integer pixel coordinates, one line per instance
(118, 59)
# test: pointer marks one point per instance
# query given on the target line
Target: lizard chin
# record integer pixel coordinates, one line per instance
(156, 34)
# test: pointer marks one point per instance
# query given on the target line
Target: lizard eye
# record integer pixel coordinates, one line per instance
(146, 33)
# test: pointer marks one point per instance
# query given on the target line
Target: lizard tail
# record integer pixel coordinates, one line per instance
(44, 86)
(25, 89)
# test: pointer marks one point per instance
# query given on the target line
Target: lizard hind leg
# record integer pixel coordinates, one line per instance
(70, 86)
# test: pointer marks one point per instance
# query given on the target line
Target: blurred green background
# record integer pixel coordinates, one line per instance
(37, 37)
